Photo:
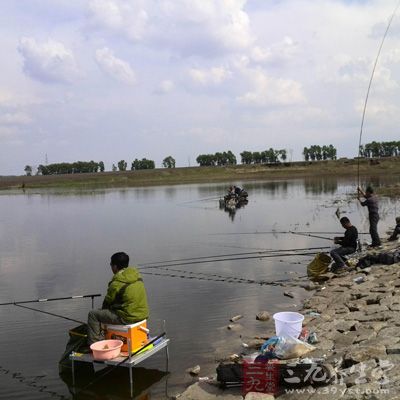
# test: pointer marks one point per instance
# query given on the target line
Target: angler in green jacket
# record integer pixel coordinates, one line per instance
(125, 301)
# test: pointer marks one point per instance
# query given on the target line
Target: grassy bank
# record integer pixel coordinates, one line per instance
(389, 167)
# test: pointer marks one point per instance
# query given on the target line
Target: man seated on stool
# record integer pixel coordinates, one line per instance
(125, 301)
(348, 245)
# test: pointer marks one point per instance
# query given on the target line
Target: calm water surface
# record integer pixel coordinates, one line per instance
(59, 243)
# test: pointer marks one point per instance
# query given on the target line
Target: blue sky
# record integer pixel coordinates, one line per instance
(124, 79)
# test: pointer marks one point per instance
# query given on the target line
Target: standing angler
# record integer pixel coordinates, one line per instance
(371, 202)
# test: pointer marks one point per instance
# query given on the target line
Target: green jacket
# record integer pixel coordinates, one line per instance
(126, 296)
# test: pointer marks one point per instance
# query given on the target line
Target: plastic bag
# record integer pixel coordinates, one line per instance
(285, 347)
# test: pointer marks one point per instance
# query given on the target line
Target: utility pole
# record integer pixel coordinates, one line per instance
(46, 161)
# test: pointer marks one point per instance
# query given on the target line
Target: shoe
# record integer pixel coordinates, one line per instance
(342, 269)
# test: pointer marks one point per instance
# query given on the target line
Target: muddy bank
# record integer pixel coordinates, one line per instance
(388, 167)
(357, 322)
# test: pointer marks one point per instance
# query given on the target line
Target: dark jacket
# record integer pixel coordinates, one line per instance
(372, 204)
(350, 238)
(126, 296)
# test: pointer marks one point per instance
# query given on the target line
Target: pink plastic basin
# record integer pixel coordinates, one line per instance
(106, 349)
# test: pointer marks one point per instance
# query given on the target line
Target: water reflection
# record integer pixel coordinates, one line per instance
(321, 186)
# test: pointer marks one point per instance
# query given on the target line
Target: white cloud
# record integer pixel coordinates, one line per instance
(277, 53)
(165, 87)
(128, 18)
(48, 62)
(115, 67)
(201, 27)
(269, 91)
(212, 76)
(15, 118)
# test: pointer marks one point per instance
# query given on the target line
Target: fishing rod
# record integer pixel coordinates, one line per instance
(49, 313)
(369, 88)
(104, 373)
(280, 232)
(92, 296)
(204, 199)
(141, 266)
(309, 235)
(232, 259)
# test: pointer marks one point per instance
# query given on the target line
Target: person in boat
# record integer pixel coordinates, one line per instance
(348, 244)
(371, 202)
(125, 301)
(237, 190)
(396, 231)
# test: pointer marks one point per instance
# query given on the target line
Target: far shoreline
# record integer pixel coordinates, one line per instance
(369, 168)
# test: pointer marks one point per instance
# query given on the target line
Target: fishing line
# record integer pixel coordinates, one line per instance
(280, 232)
(204, 276)
(233, 259)
(49, 313)
(277, 252)
(279, 282)
(369, 88)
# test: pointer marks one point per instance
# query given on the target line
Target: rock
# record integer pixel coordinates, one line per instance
(263, 316)
(194, 370)
(236, 318)
(289, 294)
(344, 341)
(258, 396)
(311, 286)
(205, 391)
(360, 354)
(363, 334)
(375, 308)
(235, 327)
(346, 326)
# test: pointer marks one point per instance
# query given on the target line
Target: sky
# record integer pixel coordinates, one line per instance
(107, 80)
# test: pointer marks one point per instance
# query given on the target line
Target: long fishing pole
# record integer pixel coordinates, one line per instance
(369, 88)
(141, 266)
(49, 313)
(232, 259)
(279, 232)
(309, 235)
(52, 299)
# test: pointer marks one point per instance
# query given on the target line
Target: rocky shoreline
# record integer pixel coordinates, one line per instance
(356, 317)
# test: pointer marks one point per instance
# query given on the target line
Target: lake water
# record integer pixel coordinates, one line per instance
(58, 243)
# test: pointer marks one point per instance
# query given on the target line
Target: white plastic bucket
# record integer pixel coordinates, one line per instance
(288, 323)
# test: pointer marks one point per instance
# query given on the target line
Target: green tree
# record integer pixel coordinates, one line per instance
(122, 165)
(114, 168)
(28, 170)
(306, 154)
(247, 157)
(169, 162)
(101, 166)
(283, 154)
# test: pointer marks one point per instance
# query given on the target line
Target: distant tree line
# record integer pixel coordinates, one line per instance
(270, 156)
(77, 167)
(316, 152)
(380, 149)
(224, 158)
